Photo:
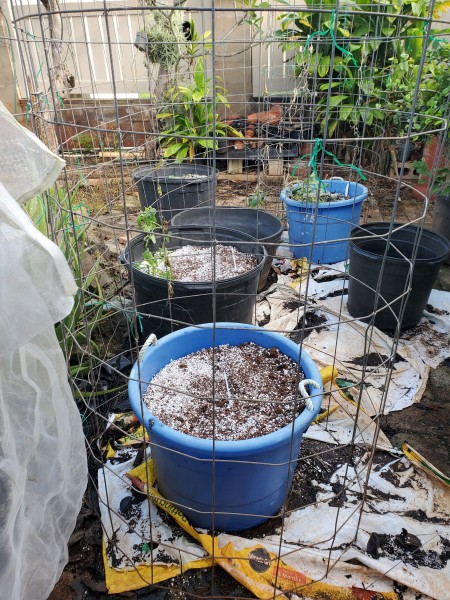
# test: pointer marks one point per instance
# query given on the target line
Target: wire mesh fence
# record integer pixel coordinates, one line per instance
(207, 143)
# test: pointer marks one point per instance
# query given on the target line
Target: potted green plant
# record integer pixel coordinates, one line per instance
(191, 122)
(191, 129)
(320, 216)
(358, 54)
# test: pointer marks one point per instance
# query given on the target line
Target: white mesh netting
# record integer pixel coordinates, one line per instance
(43, 468)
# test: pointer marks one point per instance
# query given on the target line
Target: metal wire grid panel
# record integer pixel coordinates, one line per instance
(310, 92)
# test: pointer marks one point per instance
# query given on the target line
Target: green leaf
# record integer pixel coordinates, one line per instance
(197, 96)
(335, 100)
(182, 154)
(378, 114)
(199, 74)
(324, 66)
(331, 127)
(173, 149)
(206, 143)
(345, 112)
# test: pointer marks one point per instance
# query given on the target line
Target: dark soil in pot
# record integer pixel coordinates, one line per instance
(255, 391)
(166, 306)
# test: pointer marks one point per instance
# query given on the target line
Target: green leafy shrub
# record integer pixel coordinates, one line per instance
(192, 120)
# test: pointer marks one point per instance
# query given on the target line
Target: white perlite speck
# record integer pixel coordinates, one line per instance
(251, 391)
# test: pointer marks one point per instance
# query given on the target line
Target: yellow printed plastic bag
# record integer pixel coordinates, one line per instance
(255, 567)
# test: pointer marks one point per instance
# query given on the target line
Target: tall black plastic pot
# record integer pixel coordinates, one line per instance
(367, 265)
(259, 224)
(441, 217)
(167, 306)
(173, 188)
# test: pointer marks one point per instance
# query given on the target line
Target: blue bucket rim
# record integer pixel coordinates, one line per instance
(362, 190)
(229, 447)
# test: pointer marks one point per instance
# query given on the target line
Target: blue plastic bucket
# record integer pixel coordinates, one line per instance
(228, 485)
(324, 226)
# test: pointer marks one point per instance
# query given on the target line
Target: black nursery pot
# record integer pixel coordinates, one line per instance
(441, 218)
(167, 306)
(259, 224)
(366, 264)
(173, 188)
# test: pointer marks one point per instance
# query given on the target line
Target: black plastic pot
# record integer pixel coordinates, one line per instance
(366, 266)
(167, 306)
(259, 224)
(441, 218)
(173, 188)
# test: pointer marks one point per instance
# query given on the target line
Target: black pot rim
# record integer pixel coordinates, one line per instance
(362, 233)
(153, 172)
(247, 209)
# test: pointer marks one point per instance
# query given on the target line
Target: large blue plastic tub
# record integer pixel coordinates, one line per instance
(320, 231)
(227, 486)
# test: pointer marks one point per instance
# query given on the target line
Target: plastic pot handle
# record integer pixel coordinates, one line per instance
(152, 340)
(304, 394)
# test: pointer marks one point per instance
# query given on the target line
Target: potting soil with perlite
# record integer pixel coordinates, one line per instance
(250, 392)
(198, 263)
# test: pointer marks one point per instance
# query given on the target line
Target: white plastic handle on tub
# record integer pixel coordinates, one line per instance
(304, 394)
(152, 340)
(336, 178)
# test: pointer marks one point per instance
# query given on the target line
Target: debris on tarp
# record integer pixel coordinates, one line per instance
(402, 522)
(403, 536)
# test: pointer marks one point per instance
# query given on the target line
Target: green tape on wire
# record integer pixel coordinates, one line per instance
(330, 31)
(432, 37)
(312, 163)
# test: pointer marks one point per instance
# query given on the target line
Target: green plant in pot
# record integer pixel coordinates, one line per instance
(176, 279)
(156, 263)
(191, 130)
(191, 122)
(321, 213)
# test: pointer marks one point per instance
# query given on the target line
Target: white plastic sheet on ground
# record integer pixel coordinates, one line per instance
(339, 340)
(131, 546)
(43, 470)
(398, 498)
(324, 541)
